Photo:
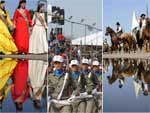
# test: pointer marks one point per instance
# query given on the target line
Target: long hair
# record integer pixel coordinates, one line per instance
(4, 8)
(39, 7)
(19, 6)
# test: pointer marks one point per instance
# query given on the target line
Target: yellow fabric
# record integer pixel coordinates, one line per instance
(7, 45)
(5, 92)
(6, 69)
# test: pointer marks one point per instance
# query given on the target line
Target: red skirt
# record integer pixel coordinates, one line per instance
(21, 36)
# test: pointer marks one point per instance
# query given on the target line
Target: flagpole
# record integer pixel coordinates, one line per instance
(147, 10)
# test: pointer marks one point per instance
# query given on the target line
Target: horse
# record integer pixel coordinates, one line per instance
(122, 71)
(127, 39)
(146, 33)
(114, 39)
(105, 47)
(143, 75)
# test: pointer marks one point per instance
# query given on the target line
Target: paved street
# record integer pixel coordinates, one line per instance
(28, 56)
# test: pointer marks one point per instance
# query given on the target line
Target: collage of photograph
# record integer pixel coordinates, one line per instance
(74, 56)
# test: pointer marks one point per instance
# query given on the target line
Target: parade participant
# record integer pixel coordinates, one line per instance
(7, 45)
(20, 88)
(142, 24)
(96, 70)
(88, 84)
(59, 83)
(38, 40)
(22, 22)
(119, 30)
(37, 80)
(75, 74)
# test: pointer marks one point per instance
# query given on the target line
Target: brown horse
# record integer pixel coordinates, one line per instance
(143, 75)
(122, 71)
(143, 72)
(127, 39)
(114, 39)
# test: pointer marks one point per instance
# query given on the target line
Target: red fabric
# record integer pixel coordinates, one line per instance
(21, 33)
(20, 76)
(59, 37)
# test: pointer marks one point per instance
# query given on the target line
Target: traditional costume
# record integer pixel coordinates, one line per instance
(21, 34)
(38, 40)
(7, 45)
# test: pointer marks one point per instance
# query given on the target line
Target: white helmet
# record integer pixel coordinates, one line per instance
(74, 62)
(85, 61)
(58, 58)
(95, 63)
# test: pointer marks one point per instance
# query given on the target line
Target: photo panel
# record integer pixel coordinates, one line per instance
(23, 56)
(126, 56)
(75, 56)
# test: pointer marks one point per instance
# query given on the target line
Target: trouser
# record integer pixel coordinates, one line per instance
(141, 32)
(90, 106)
(79, 106)
(98, 105)
(82, 106)
(55, 108)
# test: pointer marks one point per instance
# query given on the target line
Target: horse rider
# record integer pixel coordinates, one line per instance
(142, 24)
(59, 85)
(119, 29)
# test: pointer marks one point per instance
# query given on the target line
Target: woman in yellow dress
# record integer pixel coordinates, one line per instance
(7, 66)
(7, 44)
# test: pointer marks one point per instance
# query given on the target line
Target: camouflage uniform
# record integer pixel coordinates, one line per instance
(87, 83)
(97, 98)
(55, 86)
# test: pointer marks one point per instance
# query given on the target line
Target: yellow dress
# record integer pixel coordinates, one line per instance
(7, 66)
(7, 45)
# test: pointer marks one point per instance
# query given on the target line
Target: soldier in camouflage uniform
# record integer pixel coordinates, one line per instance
(88, 83)
(75, 74)
(98, 75)
(59, 85)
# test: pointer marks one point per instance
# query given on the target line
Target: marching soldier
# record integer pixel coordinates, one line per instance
(98, 76)
(59, 83)
(75, 75)
(89, 82)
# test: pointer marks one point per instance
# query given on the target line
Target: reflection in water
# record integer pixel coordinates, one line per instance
(37, 79)
(6, 69)
(132, 78)
(23, 80)
(20, 89)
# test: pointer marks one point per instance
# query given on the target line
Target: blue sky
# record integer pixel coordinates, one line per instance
(122, 10)
(11, 5)
(90, 10)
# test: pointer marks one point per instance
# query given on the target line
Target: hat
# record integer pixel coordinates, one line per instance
(95, 63)
(58, 58)
(85, 61)
(117, 23)
(2, 1)
(74, 62)
(143, 15)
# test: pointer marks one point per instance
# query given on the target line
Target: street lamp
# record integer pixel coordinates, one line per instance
(71, 33)
(70, 17)
(71, 26)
